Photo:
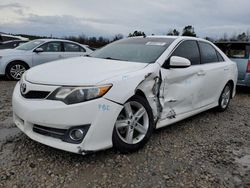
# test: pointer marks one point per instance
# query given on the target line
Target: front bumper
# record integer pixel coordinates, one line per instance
(100, 114)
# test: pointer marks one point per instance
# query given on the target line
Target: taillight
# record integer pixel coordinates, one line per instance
(248, 66)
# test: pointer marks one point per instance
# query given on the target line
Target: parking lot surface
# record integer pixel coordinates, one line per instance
(211, 149)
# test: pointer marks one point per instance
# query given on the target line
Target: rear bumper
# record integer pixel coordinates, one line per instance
(245, 82)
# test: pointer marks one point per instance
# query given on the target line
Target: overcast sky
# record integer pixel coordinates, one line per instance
(108, 17)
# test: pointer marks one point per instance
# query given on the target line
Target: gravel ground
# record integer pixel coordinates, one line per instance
(208, 150)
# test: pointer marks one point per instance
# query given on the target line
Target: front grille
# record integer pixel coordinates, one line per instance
(36, 94)
(48, 131)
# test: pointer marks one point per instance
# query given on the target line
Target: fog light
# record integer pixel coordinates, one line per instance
(76, 134)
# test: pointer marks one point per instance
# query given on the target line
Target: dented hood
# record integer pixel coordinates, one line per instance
(80, 71)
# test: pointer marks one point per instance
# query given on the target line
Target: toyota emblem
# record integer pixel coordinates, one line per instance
(23, 88)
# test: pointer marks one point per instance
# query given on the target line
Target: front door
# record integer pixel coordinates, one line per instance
(181, 87)
(51, 51)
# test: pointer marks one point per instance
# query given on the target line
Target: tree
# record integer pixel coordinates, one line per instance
(233, 37)
(137, 33)
(118, 37)
(242, 37)
(225, 37)
(248, 35)
(173, 32)
(209, 39)
(188, 31)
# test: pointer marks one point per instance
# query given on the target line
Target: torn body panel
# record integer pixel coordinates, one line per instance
(171, 92)
(179, 91)
(147, 81)
(150, 86)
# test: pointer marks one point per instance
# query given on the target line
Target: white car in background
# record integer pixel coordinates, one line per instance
(120, 94)
(14, 62)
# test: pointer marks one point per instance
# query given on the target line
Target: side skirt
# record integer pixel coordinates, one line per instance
(166, 122)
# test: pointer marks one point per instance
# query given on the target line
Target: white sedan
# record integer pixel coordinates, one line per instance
(124, 91)
(14, 62)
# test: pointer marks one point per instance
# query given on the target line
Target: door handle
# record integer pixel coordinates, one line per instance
(60, 56)
(201, 73)
(226, 69)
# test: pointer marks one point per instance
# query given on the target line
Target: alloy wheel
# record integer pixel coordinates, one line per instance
(16, 71)
(225, 97)
(132, 123)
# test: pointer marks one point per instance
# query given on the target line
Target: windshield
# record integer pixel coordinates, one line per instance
(144, 50)
(30, 45)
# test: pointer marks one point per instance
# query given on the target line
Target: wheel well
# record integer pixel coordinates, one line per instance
(20, 61)
(231, 83)
(140, 93)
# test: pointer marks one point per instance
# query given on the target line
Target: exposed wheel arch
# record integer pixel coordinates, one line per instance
(140, 93)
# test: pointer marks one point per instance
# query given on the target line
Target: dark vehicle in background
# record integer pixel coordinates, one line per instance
(5, 37)
(11, 44)
(238, 52)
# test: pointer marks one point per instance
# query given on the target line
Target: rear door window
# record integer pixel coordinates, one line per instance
(208, 53)
(70, 47)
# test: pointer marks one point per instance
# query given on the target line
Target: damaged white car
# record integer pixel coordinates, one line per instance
(120, 94)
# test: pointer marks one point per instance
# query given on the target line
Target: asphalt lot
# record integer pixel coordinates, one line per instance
(208, 150)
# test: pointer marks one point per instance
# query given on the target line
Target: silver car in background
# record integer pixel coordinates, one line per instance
(238, 52)
(14, 62)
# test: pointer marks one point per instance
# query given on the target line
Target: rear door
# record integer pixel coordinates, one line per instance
(215, 71)
(73, 50)
(51, 51)
(181, 87)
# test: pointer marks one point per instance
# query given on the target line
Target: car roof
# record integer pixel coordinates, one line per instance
(62, 40)
(51, 40)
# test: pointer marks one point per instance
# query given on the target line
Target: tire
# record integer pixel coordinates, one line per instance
(225, 98)
(15, 70)
(133, 130)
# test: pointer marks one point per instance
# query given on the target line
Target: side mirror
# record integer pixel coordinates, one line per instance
(38, 50)
(179, 62)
